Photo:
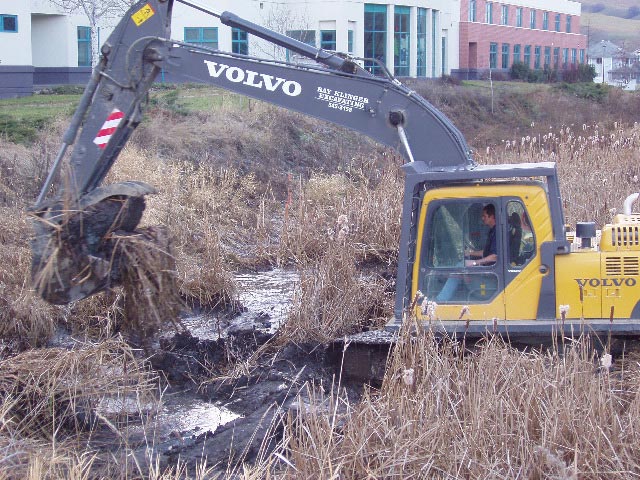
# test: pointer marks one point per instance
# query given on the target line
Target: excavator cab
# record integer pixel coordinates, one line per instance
(450, 228)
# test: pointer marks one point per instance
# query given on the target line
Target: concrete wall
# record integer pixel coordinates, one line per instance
(15, 47)
(51, 43)
(16, 81)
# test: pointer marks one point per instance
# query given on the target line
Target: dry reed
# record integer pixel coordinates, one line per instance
(334, 298)
(149, 280)
(370, 198)
(46, 392)
(497, 413)
(597, 166)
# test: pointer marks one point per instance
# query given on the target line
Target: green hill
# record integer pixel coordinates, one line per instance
(617, 21)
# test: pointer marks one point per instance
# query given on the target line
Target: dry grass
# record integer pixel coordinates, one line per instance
(334, 298)
(46, 392)
(370, 199)
(150, 290)
(496, 413)
(440, 413)
(598, 167)
(25, 319)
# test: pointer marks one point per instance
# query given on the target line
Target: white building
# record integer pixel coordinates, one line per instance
(606, 57)
(42, 45)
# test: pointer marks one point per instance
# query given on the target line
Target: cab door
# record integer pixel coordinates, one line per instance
(522, 274)
(451, 227)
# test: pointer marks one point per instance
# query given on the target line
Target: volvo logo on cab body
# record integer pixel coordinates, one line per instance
(606, 282)
(254, 79)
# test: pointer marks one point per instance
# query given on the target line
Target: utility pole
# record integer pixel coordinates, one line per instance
(604, 47)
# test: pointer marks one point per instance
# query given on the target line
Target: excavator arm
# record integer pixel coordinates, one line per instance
(75, 214)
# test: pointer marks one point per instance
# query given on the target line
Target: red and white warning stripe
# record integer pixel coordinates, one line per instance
(108, 127)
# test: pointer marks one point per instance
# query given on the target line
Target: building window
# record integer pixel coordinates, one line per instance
(532, 19)
(375, 36)
(489, 13)
(304, 36)
(328, 39)
(505, 55)
(545, 20)
(557, 22)
(202, 36)
(516, 53)
(8, 23)
(536, 56)
(527, 55)
(547, 56)
(556, 57)
(519, 17)
(421, 65)
(582, 55)
(574, 55)
(401, 35)
(568, 23)
(239, 41)
(504, 15)
(443, 55)
(84, 46)
(472, 10)
(434, 31)
(565, 57)
(493, 55)
(350, 41)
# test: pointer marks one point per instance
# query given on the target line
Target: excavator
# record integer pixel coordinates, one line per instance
(539, 278)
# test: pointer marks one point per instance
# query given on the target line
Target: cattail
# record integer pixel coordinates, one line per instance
(408, 376)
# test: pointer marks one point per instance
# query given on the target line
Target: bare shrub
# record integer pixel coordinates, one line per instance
(497, 413)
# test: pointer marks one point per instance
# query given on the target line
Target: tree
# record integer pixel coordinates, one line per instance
(281, 19)
(98, 12)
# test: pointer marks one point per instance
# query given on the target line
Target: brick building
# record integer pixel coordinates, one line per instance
(540, 33)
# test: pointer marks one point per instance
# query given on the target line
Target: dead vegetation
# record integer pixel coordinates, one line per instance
(54, 398)
(440, 412)
(497, 413)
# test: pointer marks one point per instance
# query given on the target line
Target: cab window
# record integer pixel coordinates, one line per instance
(453, 229)
(521, 243)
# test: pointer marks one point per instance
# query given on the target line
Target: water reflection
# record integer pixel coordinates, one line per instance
(266, 297)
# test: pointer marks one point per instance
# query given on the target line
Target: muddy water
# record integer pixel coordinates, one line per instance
(266, 296)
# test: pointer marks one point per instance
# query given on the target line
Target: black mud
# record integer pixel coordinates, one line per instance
(242, 371)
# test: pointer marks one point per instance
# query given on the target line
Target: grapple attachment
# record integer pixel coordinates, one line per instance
(77, 251)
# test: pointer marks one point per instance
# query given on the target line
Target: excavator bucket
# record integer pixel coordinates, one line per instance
(77, 251)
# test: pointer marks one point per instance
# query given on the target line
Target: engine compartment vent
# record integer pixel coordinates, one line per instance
(622, 266)
(622, 234)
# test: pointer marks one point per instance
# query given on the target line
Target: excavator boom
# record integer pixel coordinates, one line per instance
(80, 214)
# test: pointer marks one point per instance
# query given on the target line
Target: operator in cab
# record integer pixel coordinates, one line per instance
(488, 255)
